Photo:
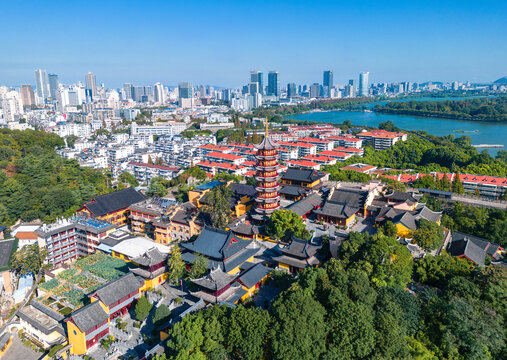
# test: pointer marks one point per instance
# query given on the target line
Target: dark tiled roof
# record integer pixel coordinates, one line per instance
(114, 201)
(469, 249)
(304, 206)
(117, 289)
(215, 280)
(266, 144)
(6, 249)
(151, 257)
(243, 189)
(302, 175)
(216, 243)
(337, 210)
(293, 190)
(300, 248)
(351, 197)
(89, 316)
(473, 247)
(234, 261)
(254, 275)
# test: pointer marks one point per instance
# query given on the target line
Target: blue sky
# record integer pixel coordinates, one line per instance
(219, 42)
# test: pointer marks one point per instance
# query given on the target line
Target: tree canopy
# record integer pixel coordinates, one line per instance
(284, 222)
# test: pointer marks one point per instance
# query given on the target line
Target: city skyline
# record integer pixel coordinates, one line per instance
(419, 43)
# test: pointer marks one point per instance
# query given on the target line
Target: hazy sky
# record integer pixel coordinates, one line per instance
(219, 42)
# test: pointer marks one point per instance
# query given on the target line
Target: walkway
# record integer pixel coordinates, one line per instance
(18, 351)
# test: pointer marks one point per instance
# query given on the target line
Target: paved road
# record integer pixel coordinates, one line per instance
(479, 202)
(18, 351)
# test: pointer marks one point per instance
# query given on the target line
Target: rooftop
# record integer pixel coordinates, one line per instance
(114, 201)
(138, 246)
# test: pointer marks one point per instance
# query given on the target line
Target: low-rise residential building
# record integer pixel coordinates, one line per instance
(338, 155)
(321, 159)
(145, 172)
(320, 143)
(220, 157)
(381, 139)
(68, 239)
(303, 164)
(346, 141)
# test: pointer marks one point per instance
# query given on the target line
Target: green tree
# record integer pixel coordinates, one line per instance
(161, 315)
(176, 265)
(457, 185)
(429, 235)
(142, 308)
(199, 267)
(283, 222)
(300, 327)
(248, 330)
(389, 229)
(28, 260)
(219, 206)
(128, 178)
(156, 188)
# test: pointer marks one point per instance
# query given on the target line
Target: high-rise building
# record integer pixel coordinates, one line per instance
(91, 87)
(128, 89)
(185, 90)
(291, 90)
(41, 83)
(315, 90)
(253, 88)
(273, 84)
(27, 96)
(159, 93)
(186, 95)
(327, 83)
(363, 83)
(256, 76)
(54, 86)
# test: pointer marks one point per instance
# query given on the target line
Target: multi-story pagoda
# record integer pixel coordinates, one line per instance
(266, 174)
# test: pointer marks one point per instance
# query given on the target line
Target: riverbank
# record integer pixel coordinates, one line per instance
(480, 132)
(439, 115)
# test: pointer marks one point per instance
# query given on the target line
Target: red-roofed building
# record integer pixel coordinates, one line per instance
(338, 155)
(321, 144)
(363, 168)
(381, 139)
(347, 141)
(304, 164)
(224, 158)
(216, 167)
(287, 154)
(490, 186)
(303, 149)
(321, 159)
(349, 150)
(145, 172)
(205, 149)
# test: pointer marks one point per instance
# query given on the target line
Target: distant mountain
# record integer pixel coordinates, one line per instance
(501, 81)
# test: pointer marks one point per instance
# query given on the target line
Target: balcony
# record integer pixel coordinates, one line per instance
(265, 199)
(268, 187)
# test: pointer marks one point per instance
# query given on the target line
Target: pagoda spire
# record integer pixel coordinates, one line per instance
(267, 128)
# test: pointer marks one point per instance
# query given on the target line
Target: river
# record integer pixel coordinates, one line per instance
(479, 131)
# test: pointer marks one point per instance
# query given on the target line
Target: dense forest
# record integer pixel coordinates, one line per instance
(35, 182)
(482, 109)
(428, 153)
(358, 307)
